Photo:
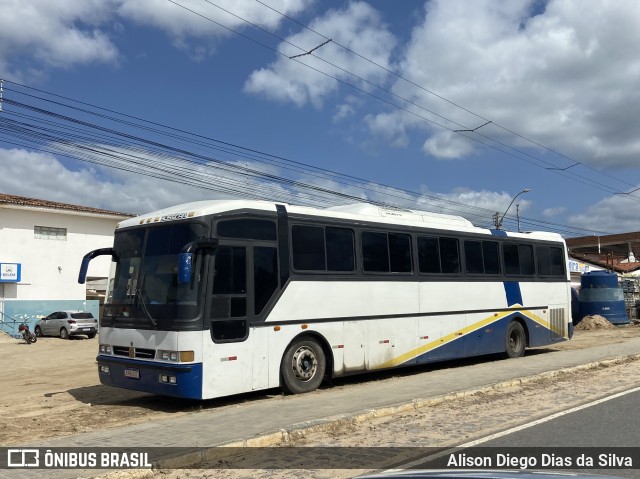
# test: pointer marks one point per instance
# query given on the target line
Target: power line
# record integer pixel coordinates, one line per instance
(421, 87)
(570, 175)
(81, 139)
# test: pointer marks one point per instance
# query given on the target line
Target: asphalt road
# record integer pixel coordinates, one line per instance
(591, 430)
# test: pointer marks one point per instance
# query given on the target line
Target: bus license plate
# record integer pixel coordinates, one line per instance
(132, 373)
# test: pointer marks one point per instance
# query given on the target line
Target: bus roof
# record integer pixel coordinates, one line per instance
(358, 212)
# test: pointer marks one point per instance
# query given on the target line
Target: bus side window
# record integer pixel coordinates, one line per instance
(557, 262)
(375, 252)
(473, 257)
(543, 260)
(265, 275)
(428, 255)
(386, 252)
(449, 256)
(550, 261)
(518, 259)
(319, 248)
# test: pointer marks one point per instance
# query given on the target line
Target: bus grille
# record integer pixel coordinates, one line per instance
(134, 352)
(557, 321)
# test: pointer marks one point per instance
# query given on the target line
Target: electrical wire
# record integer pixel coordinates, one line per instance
(81, 139)
(430, 92)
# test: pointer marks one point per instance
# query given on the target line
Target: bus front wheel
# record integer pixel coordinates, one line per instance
(303, 366)
(515, 340)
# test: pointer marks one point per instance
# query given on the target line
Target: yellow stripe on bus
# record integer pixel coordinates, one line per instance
(458, 334)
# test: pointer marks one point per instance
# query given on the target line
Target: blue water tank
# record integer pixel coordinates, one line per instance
(600, 294)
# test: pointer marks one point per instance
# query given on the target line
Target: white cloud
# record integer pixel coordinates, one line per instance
(447, 145)
(552, 212)
(59, 34)
(348, 108)
(90, 186)
(196, 33)
(614, 214)
(566, 77)
(358, 27)
(479, 206)
(387, 128)
(174, 181)
(55, 33)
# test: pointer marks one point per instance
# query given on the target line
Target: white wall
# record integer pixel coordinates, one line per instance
(40, 258)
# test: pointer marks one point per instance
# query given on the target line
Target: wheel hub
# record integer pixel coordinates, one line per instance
(304, 363)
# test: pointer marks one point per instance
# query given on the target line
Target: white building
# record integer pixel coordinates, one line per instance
(41, 247)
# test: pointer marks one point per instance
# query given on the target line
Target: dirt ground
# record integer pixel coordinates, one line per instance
(51, 389)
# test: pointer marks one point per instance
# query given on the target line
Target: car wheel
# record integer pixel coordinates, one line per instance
(64, 334)
(91, 336)
(303, 366)
(515, 340)
(38, 331)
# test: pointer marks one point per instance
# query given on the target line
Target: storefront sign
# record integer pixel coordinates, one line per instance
(580, 267)
(10, 272)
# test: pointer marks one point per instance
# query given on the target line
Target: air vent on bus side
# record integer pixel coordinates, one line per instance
(557, 322)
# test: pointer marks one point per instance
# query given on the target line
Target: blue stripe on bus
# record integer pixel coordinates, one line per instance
(188, 376)
(512, 290)
(489, 339)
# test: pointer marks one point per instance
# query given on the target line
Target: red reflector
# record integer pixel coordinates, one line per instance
(384, 341)
(232, 358)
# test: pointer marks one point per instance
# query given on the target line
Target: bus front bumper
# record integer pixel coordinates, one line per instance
(166, 379)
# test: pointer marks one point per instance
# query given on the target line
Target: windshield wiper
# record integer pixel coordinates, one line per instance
(140, 299)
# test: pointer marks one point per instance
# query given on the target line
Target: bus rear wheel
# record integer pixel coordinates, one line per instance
(303, 366)
(515, 340)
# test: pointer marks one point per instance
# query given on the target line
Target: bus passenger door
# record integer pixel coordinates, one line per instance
(226, 355)
(245, 279)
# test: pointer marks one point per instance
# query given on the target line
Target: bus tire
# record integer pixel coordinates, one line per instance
(303, 366)
(515, 340)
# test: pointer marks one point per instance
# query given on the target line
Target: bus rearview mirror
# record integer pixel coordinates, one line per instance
(185, 268)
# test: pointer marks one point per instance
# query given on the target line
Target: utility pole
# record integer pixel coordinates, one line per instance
(496, 220)
(518, 215)
(1, 81)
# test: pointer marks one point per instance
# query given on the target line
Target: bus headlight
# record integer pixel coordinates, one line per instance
(176, 356)
(105, 349)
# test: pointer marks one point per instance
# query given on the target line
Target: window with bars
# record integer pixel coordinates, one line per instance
(50, 233)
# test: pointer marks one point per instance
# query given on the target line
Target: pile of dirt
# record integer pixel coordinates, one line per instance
(589, 323)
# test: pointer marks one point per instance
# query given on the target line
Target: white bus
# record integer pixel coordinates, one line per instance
(215, 298)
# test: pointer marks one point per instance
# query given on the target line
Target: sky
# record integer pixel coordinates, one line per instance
(462, 104)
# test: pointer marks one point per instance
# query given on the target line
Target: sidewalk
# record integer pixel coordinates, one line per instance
(262, 421)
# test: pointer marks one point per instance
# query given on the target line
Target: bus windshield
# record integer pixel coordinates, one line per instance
(144, 287)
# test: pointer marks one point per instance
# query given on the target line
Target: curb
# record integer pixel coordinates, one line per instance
(287, 435)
